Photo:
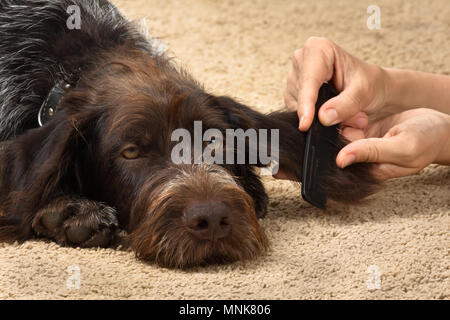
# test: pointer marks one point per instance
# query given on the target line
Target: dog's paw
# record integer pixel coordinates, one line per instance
(79, 223)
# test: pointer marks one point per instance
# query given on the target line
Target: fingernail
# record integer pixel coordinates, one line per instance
(301, 120)
(349, 160)
(361, 123)
(331, 117)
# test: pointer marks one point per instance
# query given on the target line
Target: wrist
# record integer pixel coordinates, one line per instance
(406, 89)
(397, 85)
(444, 154)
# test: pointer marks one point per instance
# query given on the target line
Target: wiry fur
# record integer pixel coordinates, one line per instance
(68, 180)
(37, 50)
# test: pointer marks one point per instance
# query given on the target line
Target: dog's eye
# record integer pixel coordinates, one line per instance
(216, 143)
(131, 153)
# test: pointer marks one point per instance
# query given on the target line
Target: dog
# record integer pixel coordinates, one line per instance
(87, 117)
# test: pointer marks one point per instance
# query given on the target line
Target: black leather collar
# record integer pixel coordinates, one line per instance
(51, 103)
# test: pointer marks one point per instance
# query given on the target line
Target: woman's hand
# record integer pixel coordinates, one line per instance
(376, 108)
(400, 145)
(361, 85)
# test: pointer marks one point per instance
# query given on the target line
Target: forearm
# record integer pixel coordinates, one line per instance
(413, 89)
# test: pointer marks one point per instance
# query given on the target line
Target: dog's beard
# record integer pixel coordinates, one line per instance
(162, 236)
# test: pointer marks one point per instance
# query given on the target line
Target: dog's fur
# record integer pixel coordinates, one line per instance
(68, 180)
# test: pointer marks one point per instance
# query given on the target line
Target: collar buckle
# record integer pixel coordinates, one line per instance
(51, 104)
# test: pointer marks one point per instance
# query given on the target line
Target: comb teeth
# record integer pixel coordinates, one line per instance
(320, 152)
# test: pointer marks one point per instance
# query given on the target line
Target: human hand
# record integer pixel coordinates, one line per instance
(401, 144)
(361, 85)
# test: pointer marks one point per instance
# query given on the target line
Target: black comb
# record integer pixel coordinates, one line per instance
(320, 151)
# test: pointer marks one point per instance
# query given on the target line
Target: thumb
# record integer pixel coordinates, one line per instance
(340, 108)
(378, 150)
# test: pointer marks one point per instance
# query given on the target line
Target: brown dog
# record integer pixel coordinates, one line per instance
(103, 157)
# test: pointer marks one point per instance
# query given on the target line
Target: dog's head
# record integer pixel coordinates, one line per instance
(119, 138)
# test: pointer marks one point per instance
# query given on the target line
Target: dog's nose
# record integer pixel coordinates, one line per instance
(208, 220)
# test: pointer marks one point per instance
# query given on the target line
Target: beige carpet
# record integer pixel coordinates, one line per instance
(243, 48)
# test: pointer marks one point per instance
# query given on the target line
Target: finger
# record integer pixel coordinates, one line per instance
(344, 106)
(296, 59)
(352, 134)
(384, 126)
(385, 171)
(360, 121)
(291, 85)
(306, 102)
(379, 150)
(290, 101)
(316, 68)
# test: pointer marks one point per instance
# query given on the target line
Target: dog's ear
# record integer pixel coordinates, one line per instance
(237, 115)
(350, 184)
(35, 167)
(290, 139)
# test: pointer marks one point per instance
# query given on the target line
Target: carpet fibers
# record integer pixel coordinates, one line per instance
(394, 245)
